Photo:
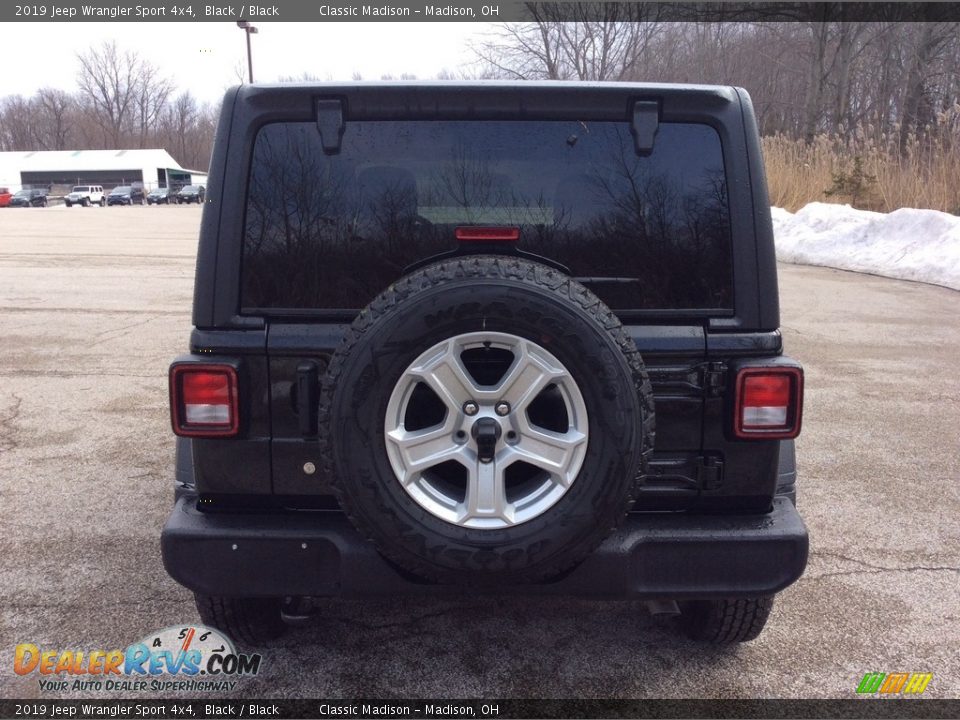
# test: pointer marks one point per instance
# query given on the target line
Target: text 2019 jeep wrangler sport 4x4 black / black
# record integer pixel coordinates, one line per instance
(486, 338)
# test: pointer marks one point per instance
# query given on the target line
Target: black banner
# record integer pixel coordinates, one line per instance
(470, 11)
(456, 709)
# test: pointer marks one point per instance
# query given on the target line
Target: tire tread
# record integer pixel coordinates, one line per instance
(252, 621)
(729, 620)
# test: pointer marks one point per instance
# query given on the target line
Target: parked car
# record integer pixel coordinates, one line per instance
(159, 195)
(125, 195)
(85, 195)
(486, 421)
(29, 198)
(5, 197)
(191, 193)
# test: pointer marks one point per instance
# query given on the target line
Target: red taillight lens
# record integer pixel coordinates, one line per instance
(487, 234)
(769, 403)
(203, 400)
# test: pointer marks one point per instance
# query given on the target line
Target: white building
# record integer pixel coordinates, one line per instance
(54, 169)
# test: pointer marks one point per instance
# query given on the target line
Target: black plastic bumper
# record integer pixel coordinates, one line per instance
(320, 554)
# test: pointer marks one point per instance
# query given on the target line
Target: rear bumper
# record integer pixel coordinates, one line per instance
(667, 556)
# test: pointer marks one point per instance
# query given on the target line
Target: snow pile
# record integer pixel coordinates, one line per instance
(909, 244)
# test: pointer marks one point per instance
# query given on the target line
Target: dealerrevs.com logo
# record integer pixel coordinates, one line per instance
(899, 683)
(189, 658)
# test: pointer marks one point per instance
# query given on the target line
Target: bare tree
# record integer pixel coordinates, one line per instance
(592, 42)
(180, 118)
(125, 92)
(106, 80)
(55, 114)
(17, 129)
(151, 94)
(929, 43)
(809, 73)
(852, 39)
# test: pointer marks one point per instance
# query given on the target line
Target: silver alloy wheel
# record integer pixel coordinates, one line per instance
(488, 494)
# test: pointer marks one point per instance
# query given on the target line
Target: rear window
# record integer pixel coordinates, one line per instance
(332, 231)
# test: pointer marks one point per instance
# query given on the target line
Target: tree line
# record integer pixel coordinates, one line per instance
(121, 101)
(894, 83)
(893, 80)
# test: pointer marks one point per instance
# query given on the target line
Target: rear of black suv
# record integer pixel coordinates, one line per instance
(507, 338)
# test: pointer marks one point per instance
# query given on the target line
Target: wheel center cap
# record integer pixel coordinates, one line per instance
(486, 431)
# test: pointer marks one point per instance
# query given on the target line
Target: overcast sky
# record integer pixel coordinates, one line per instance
(207, 57)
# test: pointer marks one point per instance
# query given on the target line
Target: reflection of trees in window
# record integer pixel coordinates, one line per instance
(706, 217)
(387, 208)
(294, 218)
(312, 219)
(393, 216)
(463, 188)
(333, 231)
(645, 236)
(469, 189)
(464, 181)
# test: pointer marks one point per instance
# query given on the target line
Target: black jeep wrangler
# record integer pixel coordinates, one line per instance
(486, 338)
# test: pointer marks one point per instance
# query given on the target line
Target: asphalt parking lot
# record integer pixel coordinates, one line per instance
(95, 302)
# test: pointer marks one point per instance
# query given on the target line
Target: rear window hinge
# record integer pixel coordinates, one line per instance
(710, 472)
(646, 121)
(330, 125)
(714, 379)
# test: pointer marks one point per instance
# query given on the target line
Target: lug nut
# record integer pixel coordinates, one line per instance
(502, 409)
(470, 408)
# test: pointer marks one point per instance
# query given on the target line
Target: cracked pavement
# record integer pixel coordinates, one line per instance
(95, 302)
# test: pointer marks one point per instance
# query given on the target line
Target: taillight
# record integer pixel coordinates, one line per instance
(203, 400)
(769, 403)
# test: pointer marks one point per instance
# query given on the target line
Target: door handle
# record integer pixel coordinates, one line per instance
(308, 386)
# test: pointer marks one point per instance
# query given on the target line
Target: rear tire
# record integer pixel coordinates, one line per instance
(251, 621)
(729, 620)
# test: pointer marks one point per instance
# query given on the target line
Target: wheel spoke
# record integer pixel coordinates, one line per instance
(526, 378)
(422, 449)
(486, 492)
(445, 374)
(550, 451)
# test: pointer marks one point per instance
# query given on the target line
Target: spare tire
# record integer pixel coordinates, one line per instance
(486, 420)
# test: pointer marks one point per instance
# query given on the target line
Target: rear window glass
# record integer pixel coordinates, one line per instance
(332, 231)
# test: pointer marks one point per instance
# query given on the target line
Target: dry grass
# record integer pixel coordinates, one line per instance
(926, 174)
